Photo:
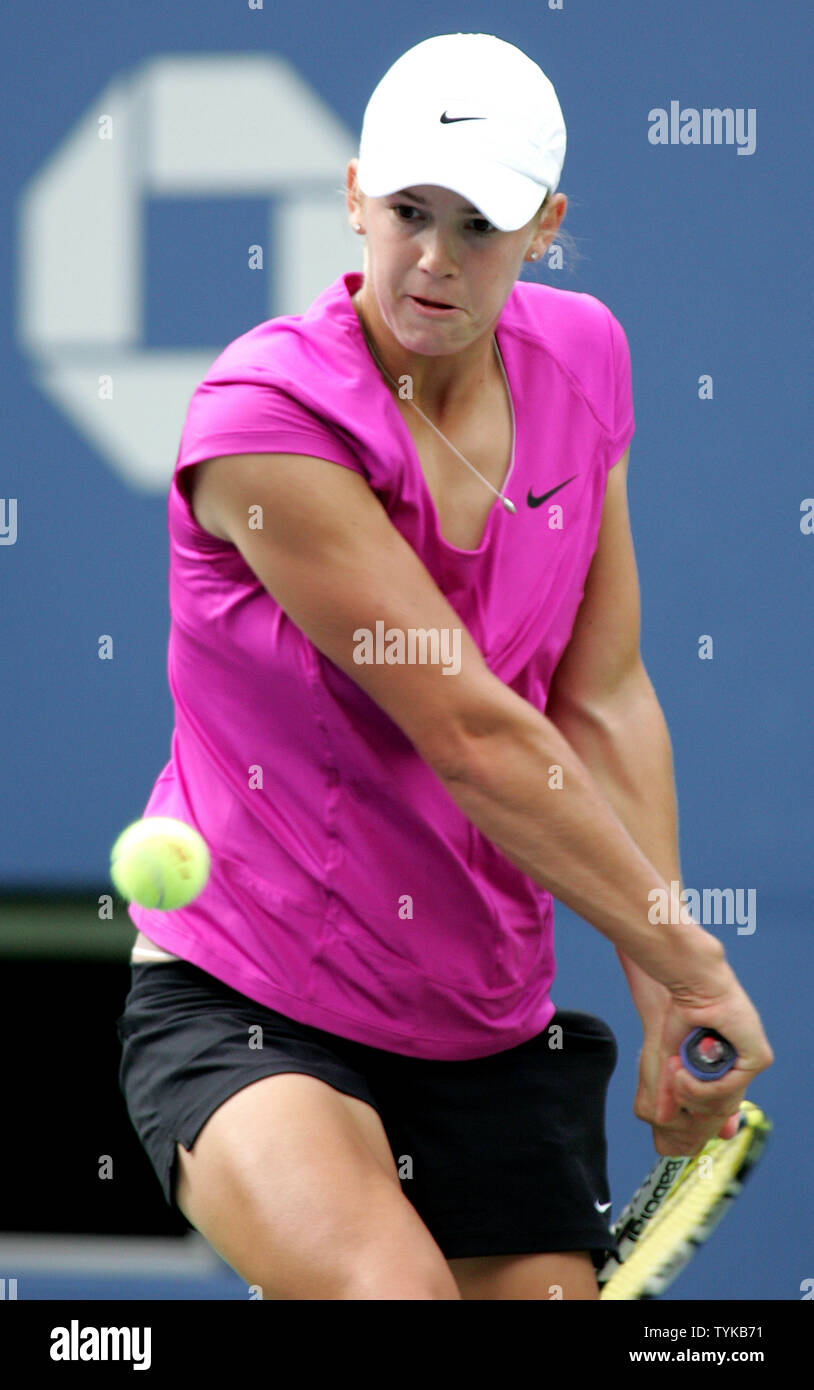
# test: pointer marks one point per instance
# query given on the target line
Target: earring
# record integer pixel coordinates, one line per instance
(356, 227)
(534, 255)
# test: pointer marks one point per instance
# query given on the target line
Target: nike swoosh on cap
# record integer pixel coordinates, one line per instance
(450, 120)
(538, 501)
(603, 1206)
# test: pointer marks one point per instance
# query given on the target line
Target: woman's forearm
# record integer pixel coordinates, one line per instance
(528, 791)
(626, 747)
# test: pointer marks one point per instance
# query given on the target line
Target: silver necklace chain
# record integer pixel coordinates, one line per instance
(510, 507)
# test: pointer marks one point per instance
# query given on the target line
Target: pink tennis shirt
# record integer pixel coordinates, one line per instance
(348, 891)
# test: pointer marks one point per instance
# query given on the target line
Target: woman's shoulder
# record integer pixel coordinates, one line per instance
(547, 312)
(580, 335)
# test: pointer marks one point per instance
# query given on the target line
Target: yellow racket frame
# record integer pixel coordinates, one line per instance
(691, 1210)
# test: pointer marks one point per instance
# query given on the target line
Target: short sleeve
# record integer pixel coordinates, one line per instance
(624, 423)
(240, 417)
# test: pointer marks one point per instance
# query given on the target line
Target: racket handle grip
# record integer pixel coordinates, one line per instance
(707, 1055)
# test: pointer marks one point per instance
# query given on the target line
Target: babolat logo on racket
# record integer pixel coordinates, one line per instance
(633, 1228)
(651, 1253)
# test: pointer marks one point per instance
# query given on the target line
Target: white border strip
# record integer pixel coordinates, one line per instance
(153, 1258)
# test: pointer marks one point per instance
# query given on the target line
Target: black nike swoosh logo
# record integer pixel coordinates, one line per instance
(450, 120)
(538, 501)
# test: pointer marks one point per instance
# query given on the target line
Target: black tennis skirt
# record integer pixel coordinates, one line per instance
(509, 1151)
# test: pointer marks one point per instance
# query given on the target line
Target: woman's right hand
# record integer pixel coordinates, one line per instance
(686, 1112)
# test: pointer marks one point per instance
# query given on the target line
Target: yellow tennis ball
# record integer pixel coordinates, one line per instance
(160, 862)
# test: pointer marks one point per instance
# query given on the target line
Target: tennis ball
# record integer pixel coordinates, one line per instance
(159, 862)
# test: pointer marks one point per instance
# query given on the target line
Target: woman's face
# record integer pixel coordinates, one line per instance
(428, 242)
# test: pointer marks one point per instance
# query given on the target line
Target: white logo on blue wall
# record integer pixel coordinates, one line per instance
(218, 125)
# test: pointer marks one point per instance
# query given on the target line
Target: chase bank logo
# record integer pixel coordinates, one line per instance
(192, 126)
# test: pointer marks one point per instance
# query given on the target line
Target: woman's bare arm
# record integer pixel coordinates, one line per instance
(333, 560)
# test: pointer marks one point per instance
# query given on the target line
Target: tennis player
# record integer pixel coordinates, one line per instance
(410, 707)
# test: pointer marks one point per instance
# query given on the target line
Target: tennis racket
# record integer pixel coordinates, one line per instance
(682, 1199)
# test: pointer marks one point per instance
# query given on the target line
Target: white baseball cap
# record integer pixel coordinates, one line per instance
(471, 113)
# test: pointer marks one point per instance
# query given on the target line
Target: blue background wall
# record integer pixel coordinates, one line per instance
(704, 256)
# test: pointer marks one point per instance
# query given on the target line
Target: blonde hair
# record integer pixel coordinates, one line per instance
(562, 239)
